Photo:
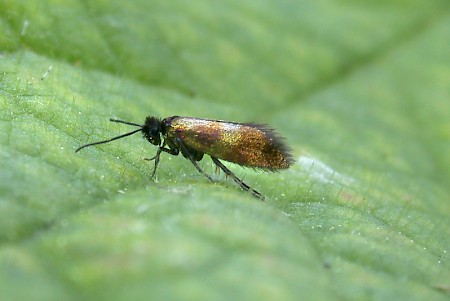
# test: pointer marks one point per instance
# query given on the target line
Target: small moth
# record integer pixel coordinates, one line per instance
(247, 144)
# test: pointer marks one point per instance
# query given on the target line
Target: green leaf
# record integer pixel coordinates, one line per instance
(360, 89)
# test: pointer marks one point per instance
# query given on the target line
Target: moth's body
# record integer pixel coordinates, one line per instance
(247, 144)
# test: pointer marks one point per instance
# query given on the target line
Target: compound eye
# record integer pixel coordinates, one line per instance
(154, 132)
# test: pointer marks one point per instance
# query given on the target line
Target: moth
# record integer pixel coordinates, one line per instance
(247, 144)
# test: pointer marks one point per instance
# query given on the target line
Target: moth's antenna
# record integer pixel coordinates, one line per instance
(125, 122)
(114, 138)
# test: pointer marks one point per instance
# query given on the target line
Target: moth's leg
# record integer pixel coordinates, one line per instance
(185, 151)
(236, 179)
(171, 150)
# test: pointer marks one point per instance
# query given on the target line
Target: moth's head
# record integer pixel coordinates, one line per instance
(152, 130)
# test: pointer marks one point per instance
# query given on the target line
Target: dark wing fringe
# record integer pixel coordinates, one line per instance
(277, 139)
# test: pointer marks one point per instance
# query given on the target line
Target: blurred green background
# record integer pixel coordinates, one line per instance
(360, 89)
